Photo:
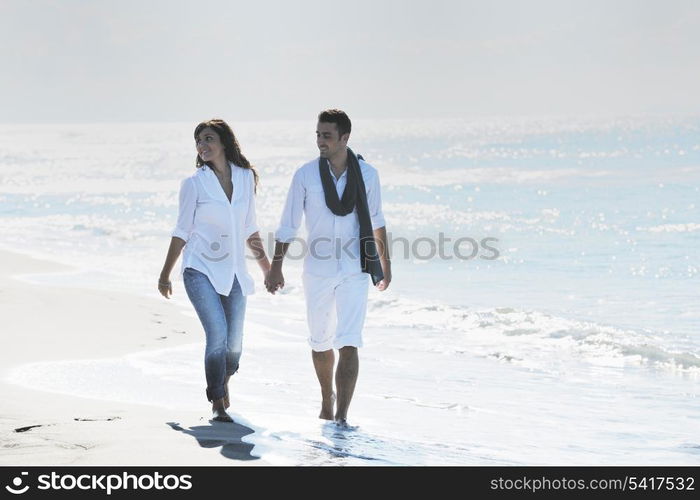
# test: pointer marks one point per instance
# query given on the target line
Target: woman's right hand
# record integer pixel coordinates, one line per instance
(165, 287)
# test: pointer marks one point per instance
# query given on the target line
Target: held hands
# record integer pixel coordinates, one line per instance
(274, 280)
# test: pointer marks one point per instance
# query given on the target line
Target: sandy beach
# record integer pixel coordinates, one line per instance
(41, 428)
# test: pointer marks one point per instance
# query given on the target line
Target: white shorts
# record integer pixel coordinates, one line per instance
(342, 327)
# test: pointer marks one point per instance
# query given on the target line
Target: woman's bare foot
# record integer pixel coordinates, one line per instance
(327, 407)
(219, 411)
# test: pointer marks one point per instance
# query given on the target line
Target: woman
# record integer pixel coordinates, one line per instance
(216, 216)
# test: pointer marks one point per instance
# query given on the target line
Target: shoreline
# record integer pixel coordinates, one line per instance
(460, 390)
(44, 324)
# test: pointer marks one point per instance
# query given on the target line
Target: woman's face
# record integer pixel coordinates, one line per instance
(209, 146)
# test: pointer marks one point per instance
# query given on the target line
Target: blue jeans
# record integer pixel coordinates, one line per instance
(222, 318)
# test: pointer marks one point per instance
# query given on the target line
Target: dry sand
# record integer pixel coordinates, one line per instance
(44, 323)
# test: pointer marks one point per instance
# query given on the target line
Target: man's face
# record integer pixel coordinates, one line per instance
(328, 139)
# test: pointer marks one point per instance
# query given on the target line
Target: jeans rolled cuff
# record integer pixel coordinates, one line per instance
(215, 394)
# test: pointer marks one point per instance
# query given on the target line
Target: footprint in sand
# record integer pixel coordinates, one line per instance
(28, 427)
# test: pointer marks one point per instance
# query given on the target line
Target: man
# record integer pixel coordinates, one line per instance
(339, 195)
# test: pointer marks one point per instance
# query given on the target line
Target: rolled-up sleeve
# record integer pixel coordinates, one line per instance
(374, 202)
(188, 203)
(293, 210)
(251, 224)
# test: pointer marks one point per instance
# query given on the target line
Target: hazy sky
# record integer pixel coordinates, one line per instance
(126, 60)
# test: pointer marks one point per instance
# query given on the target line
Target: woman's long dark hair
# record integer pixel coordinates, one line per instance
(232, 149)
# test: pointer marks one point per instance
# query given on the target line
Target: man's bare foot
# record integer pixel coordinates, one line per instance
(327, 408)
(344, 425)
(219, 411)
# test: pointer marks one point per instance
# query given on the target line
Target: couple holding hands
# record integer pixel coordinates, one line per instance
(339, 196)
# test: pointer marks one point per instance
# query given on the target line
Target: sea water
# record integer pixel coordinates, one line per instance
(544, 303)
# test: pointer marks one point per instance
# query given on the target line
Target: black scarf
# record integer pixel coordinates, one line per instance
(354, 196)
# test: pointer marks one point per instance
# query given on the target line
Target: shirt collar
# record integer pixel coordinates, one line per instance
(213, 187)
(336, 180)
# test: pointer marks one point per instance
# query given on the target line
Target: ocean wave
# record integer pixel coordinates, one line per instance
(532, 339)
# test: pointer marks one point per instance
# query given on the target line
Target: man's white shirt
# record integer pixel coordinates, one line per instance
(333, 241)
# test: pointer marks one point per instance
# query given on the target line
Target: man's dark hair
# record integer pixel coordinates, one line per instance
(337, 116)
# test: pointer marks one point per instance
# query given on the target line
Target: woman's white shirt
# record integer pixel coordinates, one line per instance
(215, 230)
